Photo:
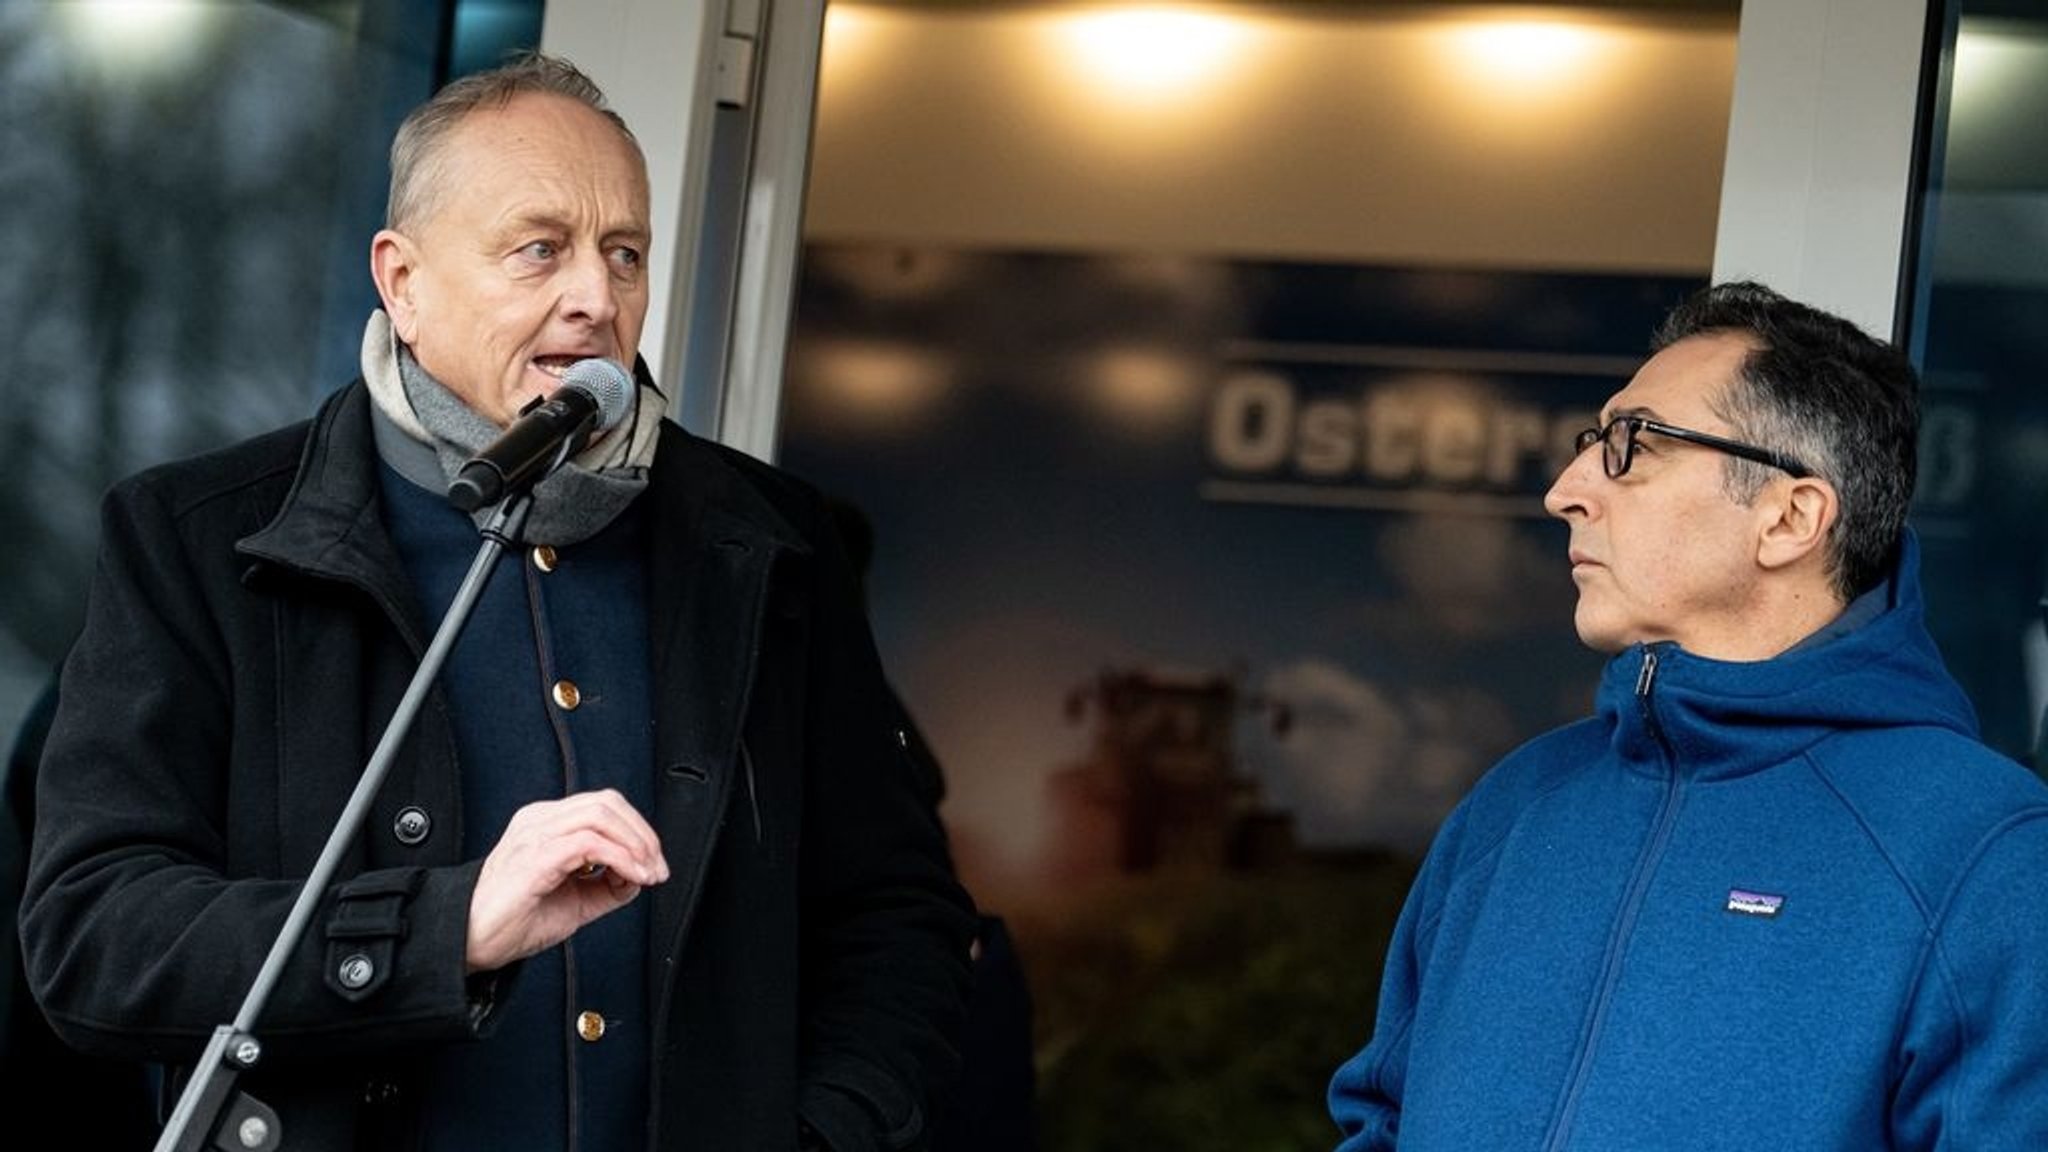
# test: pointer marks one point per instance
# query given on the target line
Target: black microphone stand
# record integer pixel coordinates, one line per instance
(249, 1125)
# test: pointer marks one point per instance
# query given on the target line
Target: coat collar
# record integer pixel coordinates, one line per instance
(330, 526)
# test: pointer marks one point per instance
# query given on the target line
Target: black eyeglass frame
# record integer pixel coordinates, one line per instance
(1637, 425)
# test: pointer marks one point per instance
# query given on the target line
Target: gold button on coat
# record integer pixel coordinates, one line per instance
(544, 558)
(590, 1025)
(566, 695)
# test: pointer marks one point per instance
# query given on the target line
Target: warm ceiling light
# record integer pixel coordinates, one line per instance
(1524, 51)
(847, 22)
(1153, 52)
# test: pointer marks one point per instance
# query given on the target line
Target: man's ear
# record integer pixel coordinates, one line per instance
(393, 259)
(1796, 516)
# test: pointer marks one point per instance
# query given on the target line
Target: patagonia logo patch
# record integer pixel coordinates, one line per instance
(1747, 903)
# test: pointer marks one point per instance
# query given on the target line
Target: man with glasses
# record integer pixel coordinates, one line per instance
(1774, 893)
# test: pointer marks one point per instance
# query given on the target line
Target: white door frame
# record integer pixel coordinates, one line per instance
(1819, 182)
(721, 97)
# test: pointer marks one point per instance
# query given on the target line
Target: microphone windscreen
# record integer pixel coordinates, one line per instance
(605, 382)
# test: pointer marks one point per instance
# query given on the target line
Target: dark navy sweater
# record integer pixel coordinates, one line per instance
(536, 636)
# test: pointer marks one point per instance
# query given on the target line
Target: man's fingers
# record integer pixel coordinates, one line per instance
(575, 836)
(559, 865)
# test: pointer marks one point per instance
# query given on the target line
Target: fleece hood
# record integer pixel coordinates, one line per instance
(1720, 719)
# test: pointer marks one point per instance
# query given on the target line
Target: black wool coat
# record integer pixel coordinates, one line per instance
(249, 634)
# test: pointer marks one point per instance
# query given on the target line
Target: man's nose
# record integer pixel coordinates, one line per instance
(1569, 492)
(591, 292)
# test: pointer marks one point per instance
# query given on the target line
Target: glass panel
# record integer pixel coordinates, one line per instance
(1195, 373)
(1979, 333)
(191, 189)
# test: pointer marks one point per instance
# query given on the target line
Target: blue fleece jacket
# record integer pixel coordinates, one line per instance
(1788, 905)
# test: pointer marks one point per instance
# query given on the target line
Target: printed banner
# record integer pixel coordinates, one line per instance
(1213, 586)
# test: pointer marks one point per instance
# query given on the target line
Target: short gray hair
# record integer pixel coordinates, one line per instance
(416, 150)
(1839, 400)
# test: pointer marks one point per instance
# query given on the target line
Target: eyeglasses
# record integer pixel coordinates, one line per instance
(1618, 452)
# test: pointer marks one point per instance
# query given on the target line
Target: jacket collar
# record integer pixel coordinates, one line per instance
(1712, 719)
(330, 525)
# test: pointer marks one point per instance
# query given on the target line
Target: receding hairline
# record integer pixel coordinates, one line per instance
(420, 147)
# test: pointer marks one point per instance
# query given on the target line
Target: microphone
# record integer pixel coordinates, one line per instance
(595, 396)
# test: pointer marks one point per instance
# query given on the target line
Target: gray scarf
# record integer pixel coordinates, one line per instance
(427, 434)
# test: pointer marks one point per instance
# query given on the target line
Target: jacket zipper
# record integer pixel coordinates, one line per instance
(1625, 919)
